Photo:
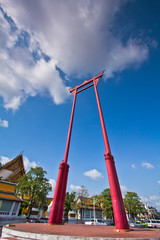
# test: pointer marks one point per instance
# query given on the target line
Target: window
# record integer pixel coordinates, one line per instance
(15, 208)
(87, 213)
(6, 207)
(99, 214)
(92, 214)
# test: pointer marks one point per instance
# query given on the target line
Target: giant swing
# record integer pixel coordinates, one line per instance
(56, 214)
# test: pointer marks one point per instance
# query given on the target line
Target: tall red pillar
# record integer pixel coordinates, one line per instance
(117, 201)
(56, 214)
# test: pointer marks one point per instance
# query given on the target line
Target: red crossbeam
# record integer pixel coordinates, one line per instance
(86, 82)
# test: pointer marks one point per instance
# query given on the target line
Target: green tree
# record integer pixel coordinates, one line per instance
(69, 202)
(81, 203)
(35, 187)
(133, 204)
(105, 201)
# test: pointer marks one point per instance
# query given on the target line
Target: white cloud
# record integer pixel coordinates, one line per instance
(133, 166)
(147, 165)
(74, 34)
(144, 199)
(4, 160)
(3, 123)
(21, 76)
(124, 189)
(75, 188)
(152, 200)
(159, 181)
(93, 174)
(28, 164)
(53, 183)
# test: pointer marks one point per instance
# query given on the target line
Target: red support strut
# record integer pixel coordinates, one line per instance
(117, 201)
(56, 214)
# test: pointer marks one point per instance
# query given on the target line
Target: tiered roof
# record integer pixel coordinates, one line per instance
(14, 169)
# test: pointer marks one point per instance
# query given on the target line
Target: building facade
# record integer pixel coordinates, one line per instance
(85, 210)
(9, 202)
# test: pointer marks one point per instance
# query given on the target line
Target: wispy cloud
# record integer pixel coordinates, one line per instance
(93, 174)
(124, 189)
(159, 181)
(3, 123)
(4, 160)
(133, 166)
(152, 200)
(31, 50)
(147, 165)
(28, 164)
(75, 188)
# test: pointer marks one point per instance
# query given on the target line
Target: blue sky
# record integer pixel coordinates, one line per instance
(47, 47)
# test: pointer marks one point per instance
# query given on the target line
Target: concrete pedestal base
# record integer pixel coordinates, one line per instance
(42, 231)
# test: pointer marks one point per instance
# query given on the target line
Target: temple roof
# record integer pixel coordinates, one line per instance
(13, 170)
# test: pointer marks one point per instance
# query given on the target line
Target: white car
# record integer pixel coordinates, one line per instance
(95, 222)
(136, 225)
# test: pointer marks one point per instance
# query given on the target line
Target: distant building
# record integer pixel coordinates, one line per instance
(86, 209)
(84, 206)
(151, 212)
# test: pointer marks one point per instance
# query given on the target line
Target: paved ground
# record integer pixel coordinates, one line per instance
(85, 231)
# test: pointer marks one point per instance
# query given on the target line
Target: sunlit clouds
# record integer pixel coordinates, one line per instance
(74, 36)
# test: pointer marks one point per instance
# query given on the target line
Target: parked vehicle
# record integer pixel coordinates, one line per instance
(95, 222)
(37, 220)
(144, 223)
(43, 220)
(135, 225)
(153, 223)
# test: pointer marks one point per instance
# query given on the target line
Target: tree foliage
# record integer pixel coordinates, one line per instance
(69, 202)
(105, 201)
(133, 204)
(35, 187)
(83, 192)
